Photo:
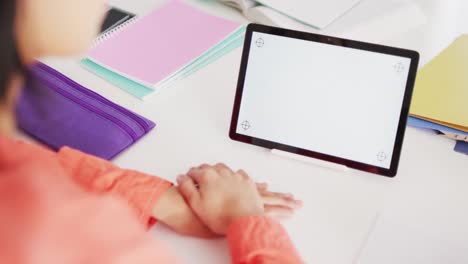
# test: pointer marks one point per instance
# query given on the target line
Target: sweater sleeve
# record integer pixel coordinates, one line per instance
(139, 190)
(260, 240)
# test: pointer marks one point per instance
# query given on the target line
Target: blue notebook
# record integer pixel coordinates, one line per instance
(420, 123)
(462, 147)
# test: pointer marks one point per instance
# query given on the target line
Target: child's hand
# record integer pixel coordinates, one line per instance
(173, 211)
(219, 196)
(277, 205)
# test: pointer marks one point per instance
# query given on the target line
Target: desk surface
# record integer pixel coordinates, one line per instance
(340, 209)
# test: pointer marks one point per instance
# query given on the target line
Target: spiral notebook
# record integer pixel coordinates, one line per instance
(149, 52)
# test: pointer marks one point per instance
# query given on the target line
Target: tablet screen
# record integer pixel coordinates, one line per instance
(339, 101)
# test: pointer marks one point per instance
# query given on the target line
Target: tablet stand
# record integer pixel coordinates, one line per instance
(317, 162)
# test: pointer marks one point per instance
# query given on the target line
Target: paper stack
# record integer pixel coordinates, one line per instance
(367, 20)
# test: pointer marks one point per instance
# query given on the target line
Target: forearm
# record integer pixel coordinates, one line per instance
(139, 190)
(259, 240)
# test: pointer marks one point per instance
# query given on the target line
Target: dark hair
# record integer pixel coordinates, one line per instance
(9, 59)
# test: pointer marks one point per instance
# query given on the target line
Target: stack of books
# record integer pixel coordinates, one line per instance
(143, 55)
(440, 99)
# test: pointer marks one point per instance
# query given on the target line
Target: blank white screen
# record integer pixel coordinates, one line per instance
(334, 100)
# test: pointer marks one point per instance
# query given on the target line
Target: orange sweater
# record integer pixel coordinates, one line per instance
(67, 207)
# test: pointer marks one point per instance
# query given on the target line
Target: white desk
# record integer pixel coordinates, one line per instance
(340, 209)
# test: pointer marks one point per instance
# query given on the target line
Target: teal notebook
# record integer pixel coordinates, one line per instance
(140, 91)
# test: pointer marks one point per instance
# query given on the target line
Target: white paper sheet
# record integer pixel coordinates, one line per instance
(316, 13)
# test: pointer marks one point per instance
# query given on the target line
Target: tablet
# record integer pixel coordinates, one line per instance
(327, 98)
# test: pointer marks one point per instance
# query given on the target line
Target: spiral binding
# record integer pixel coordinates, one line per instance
(111, 33)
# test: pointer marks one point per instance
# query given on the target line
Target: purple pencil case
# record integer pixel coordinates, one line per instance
(60, 112)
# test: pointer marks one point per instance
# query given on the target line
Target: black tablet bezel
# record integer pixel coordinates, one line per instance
(413, 55)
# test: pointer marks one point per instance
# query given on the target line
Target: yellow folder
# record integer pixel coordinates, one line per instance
(441, 91)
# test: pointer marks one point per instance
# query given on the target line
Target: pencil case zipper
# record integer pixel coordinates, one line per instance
(91, 107)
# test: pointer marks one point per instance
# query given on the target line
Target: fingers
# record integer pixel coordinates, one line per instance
(204, 166)
(244, 174)
(223, 169)
(205, 172)
(261, 186)
(201, 174)
(277, 211)
(280, 199)
(188, 188)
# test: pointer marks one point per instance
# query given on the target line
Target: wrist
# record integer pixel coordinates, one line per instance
(232, 220)
(168, 205)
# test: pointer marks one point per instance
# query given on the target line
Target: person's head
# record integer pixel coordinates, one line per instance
(30, 29)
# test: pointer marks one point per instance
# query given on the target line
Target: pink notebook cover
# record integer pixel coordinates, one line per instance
(159, 44)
